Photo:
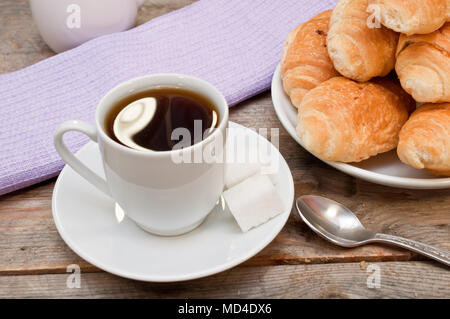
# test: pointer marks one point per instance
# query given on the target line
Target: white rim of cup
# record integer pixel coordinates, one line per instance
(221, 127)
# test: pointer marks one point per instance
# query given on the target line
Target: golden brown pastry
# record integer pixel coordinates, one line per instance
(357, 51)
(425, 139)
(305, 62)
(423, 65)
(413, 16)
(346, 121)
(448, 10)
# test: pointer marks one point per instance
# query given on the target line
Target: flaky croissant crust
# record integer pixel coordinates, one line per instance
(305, 63)
(358, 51)
(423, 65)
(345, 121)
(425, 139)
(413, 16)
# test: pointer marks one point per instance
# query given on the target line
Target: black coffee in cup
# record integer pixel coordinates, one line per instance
(147, 119)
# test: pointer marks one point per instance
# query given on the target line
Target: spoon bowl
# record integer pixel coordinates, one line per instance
(333, 221)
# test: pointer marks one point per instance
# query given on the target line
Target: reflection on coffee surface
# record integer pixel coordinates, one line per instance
(146, 120)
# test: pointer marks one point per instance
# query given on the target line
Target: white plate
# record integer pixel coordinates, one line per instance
(385, 169)
(90, 225)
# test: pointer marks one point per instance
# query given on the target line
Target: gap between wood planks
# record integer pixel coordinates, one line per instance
(85, 267)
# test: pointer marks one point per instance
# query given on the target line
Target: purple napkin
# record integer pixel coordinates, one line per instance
(233, 44)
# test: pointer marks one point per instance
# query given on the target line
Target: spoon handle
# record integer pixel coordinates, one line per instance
(423, 249)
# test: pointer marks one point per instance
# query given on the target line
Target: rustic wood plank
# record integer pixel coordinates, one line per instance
(29, 240)
(397, 280)
(20, 43)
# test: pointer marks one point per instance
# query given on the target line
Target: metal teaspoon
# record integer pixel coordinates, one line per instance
(338, 224)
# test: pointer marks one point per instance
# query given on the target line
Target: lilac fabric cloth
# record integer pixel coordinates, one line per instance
(233, 44)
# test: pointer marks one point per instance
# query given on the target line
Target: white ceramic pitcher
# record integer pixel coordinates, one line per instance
(65, 24)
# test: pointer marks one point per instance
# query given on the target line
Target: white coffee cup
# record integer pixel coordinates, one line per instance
(163, 196)
(65, 24)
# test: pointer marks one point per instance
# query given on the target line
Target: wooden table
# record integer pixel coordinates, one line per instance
(297, 264)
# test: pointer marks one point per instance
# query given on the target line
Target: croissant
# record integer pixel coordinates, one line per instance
(425, 139)
(346, 121)
(423, 65)
(413, 16)
(359, 52)
(305, 63)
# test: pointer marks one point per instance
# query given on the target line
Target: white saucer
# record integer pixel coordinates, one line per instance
(385, 169)
(89, 224)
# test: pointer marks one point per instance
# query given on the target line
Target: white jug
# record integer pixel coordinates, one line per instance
(65, 24)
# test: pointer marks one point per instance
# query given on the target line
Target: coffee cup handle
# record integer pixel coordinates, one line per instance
(74, 162)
